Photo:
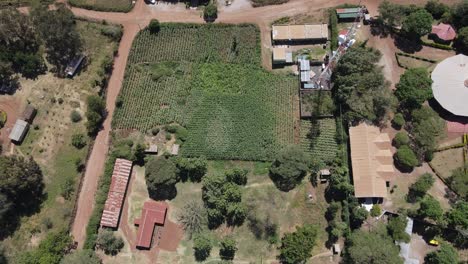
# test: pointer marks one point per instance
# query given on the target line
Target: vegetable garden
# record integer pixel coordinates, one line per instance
(319, 138)
(208, 78)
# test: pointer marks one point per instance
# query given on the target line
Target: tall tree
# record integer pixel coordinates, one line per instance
(459, 14)
(289, 168)
(227, 248)
(418, 189)
(426, 128)
(396, 228)
(445, 255)
(297, 247)
(193, 218)
(417, 24)
(58, 30)
(461, 42)
(192, 168)
(360, 86)
(202, 245)
(459, 181)
(430, 208)
(372, 247)
(414, 88)
(457, 218)
(161, 178)
(436, 8)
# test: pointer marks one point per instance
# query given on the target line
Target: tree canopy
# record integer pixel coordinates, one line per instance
(405, 158)
(191, 168)
(426, 128)
(297, 247)
(436, 8)
(367, 247)
(396, 228)
(414, 88)
(154, 26)
(211, 11)
(393, 15)
(202, 245)
(50, 250)
(458, 216)
(430, 208)
(417, 24)
(459, 181)
(418, 189)
(109, 243)
(95, 113)
(161, 178)
(459, 14)
(360, 86)
(446, 254)
(289, 168)
(193, 218)
(227, 248)
(462, 40)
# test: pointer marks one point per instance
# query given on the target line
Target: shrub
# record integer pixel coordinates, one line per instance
(110, 244)
(202, 246)
(210, 13)
(289, 168)
(3, 118)
(154, 26)
(418, 189)
(398, 121)
(155, 131)
(396, 228)
(114, 32)
(405, 158)
(227, 248)
(375, 210)
(75, 116)
(168, 136)
(78, 141)
(401, 139)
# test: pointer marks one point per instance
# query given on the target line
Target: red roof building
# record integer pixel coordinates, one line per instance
(154, 213)
(444, 32)
(115, 198)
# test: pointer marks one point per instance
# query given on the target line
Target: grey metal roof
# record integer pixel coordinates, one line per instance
(19, 130)
(450, 84)
(305, 76)
(304, 65)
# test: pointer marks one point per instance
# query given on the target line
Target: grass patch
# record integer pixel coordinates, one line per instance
(408, 63)
(213, 85)
(103, 5)
(444, 162)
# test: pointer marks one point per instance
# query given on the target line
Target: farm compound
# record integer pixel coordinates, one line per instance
(115, 198)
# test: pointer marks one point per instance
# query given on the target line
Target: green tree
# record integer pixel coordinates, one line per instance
(405, 158)
(459, 14)
(192, 168)
(297, 247)
(289, 168)
(81, 257)
(459, 181)
(430, 208)
(414, 88)
(392, 14)
(418, 189)
(109, 243)
(462, 40)
(6, 75)
(401, 139)
(457, 218)
(193, 218)
(446, 254)
(372, 247)
(358, 216)
(360, 87)
(227, 248)
(50, 250)
(237, 176)
(417, 24)
(426, 127)
(58, 30)
(375, 210)
(161, 178)
(398, 121)
(236, 213)
(78, 141)
(210, 13)
(154, 26)
(396, 228)
(436, 8)
(202, 245)
(75, 116)
(95, 113)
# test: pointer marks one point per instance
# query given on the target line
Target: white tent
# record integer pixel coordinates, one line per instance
(450, 84)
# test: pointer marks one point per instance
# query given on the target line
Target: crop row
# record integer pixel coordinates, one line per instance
(319, 138)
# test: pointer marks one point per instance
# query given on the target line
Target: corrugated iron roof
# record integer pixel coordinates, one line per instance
(153, 213)
(299, 32)
(115, 197)
(371, 159)
(444, 32)
(19, 130)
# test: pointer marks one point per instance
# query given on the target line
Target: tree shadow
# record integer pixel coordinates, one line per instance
(407, 45)
(163, 192)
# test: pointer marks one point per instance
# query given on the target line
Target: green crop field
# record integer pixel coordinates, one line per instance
(318, 138)
(208, 78)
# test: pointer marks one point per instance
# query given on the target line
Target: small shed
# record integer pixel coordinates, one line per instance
(336, 249)
(324, 174)
(19, 131)
(348, 13)
(175, 149)
(74, 65)
(153, 149)
(282, 56)
(29, 113)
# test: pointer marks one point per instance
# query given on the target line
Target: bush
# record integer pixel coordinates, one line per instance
(161, 178)
(210, 13)
(398, 121)
(405, 158)
(3, 118)
(110, 244)
(375, 210)
(401, 139)
(75, 116)
(154, 26)
(114, 32)
(418, 189)
(396, 228)
(227, 248)
(436, 45)
(202, 246)
(95, 113)
(154, 131)
(289, 168)
(333, 29)
(258, 3)
(78, 141)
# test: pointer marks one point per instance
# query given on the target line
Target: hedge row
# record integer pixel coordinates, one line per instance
(103, 8)
(436, 45)
(415, 57)
(333, 29)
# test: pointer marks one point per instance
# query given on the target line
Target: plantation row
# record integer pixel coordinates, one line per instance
(231, 111)
(319, 139)
(198, 43)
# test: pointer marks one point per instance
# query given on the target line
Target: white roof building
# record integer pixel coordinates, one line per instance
(19, 131)
(450, 84)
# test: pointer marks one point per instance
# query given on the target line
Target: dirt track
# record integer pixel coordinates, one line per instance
(139, 17)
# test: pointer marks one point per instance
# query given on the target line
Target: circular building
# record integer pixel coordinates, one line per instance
(450, 84)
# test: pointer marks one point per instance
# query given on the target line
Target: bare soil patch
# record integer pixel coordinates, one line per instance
(444, 162)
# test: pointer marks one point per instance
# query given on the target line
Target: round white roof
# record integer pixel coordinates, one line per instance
(450, 84)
